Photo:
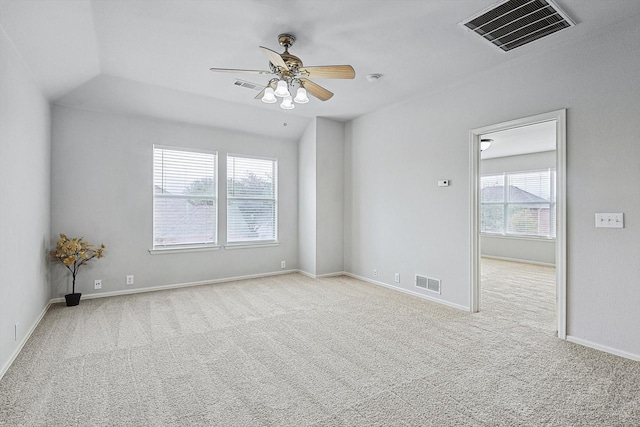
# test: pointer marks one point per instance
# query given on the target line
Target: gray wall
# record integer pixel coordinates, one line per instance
(541, 251)
(307, 200)
(398, 220)
(330, 196)
(321, 186)
(102, 190)
(25, 131)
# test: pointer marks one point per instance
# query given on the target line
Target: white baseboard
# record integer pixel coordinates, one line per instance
(524, 261)
(177, 285)
(604, 348)
(318, 276)
(407, 291)
(25, 338)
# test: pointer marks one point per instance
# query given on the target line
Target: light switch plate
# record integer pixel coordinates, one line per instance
(609, 220)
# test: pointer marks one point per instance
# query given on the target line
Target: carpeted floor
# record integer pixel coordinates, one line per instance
(292, 351)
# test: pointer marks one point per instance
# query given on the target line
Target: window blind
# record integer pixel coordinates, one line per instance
(184, 197)
(251, 199)
(519, 203)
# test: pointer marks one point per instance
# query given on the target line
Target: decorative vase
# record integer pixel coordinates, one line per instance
(72, 299)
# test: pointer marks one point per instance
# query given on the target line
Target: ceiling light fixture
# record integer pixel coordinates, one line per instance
(291, 76)
(485, 143)
(269, 96)
(301, 96)
(282, 90)
(287, 103)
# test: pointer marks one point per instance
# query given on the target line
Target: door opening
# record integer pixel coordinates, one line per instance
(518, 199)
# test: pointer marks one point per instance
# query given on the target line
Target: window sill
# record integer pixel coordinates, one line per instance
(515, 237)
(247, 245)
(184, 249)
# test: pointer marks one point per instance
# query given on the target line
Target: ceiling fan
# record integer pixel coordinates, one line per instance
(290, 74)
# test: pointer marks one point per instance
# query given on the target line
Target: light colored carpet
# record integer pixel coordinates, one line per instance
(292, 351)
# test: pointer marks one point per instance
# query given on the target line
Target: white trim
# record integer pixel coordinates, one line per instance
(320, 276)
(335, 274)
(561, 222)
(523, 261)
(178, 285)
(251, 245)
(606, 349)
(24, 340)
(406, 291)
(559, 116)
(184, 249)
(516, 237)
(304, 273)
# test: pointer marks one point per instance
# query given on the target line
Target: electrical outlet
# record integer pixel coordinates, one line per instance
(397, 278)
(283, 264)
(129, 279)
(375, 272)
(97, 284)
(15, 331)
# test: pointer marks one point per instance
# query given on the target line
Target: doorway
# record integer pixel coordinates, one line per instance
(557, 120)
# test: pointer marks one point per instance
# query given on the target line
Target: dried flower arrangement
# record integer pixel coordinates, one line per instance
(74, 253)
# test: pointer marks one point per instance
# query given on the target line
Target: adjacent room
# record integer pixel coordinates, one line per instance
(292, 213)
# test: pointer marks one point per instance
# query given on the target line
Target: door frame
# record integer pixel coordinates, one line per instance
(559, 116)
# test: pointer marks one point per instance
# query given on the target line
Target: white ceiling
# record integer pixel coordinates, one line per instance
(153, 57)
(521, 140)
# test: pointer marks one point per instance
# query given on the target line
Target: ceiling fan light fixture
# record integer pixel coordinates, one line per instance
(287, 103)
(269, 97)
(301, 96)
(282, 90)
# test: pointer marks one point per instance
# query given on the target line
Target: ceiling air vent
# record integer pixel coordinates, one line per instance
(514, 23)
(248, 85)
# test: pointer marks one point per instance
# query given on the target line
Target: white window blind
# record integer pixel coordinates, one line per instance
(519, 203)
(184, 197)
(251, 199)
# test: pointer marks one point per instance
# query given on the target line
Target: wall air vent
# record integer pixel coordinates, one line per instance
(428, 283)
(514, 23)
(248, 85)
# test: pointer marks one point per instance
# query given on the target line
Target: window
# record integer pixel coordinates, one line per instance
(251, 199)
(184, 198)
(519, 204)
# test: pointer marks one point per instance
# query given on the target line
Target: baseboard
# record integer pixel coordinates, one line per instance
(407, 291)
(319, 276)
(25, 338)
(524, 261)
(604, 348)
(178, 285)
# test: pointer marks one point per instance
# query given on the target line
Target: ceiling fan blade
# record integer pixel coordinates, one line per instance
(329, 72)
(316, 90)
(271, 84)
(233, 70)
(274, 57)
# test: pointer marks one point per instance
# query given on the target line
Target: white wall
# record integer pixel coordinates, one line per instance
(25, 132)
(541, 251)
(102, 190)
(307, 200)
(330, 196)
(398, 220)
(321, 187)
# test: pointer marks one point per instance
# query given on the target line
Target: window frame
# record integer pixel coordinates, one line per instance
(186, 247)
(236, 244)
(506, 203)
